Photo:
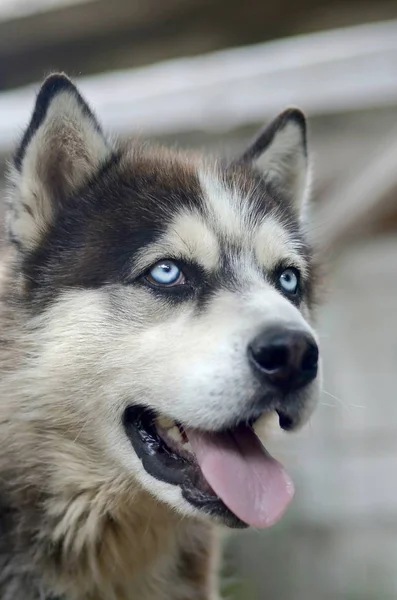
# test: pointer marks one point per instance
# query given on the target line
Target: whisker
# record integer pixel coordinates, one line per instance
(344, 404)
(326, 404)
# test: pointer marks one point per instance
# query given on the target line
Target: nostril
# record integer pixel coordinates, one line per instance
(310, 358)
(273, 358)
(286, 422)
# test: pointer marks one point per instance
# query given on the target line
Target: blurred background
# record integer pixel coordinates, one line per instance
(208, 74)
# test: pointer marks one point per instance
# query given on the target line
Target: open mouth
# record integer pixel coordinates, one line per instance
(227, 474)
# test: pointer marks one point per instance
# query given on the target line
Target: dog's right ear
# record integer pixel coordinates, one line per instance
(60, 152)
(280, 154)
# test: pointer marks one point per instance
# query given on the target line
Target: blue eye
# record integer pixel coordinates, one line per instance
(289, 280)
(166, 273)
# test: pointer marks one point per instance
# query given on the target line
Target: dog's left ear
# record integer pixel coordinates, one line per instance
(61, 150)
(280, 153)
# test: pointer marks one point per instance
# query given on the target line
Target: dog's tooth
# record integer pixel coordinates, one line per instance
(175, 434)
(187, 447)
(165, 423)
(267, 425)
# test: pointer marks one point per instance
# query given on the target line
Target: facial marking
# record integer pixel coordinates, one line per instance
(234, 215)
(274, 244)
(187, 237)
(225, 206)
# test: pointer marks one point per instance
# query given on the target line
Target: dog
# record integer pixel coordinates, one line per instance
(156, 308)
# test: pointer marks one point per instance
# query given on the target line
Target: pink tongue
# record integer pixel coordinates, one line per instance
(252, 484)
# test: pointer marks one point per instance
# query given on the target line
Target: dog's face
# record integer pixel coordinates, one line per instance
(170, 298)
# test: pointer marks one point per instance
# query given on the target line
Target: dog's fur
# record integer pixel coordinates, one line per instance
(81, 338)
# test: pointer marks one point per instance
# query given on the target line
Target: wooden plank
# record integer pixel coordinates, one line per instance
(324, 73)
(99, 35)
(15, 9)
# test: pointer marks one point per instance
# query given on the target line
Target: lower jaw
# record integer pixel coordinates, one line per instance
(214, 508)
(233, 462)
(165, 465)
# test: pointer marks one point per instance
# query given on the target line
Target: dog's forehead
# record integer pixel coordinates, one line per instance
(245, 217)
(209, 210)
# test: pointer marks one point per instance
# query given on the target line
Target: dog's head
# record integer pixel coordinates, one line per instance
(170, 298)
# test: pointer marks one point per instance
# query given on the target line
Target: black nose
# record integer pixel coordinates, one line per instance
(284, 357)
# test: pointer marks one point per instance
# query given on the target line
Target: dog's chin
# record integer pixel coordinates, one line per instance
(164, 448)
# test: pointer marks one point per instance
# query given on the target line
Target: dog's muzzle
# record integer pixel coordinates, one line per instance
(227, 473)
(284, 360)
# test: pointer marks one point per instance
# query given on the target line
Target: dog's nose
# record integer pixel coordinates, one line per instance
(284, 357)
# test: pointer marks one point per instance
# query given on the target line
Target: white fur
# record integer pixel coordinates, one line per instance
(226, 208)
(189, 237)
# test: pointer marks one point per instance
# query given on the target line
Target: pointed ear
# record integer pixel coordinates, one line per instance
(60, 152)
(280, 153)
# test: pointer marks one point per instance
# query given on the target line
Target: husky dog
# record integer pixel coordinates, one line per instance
(154, 306)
